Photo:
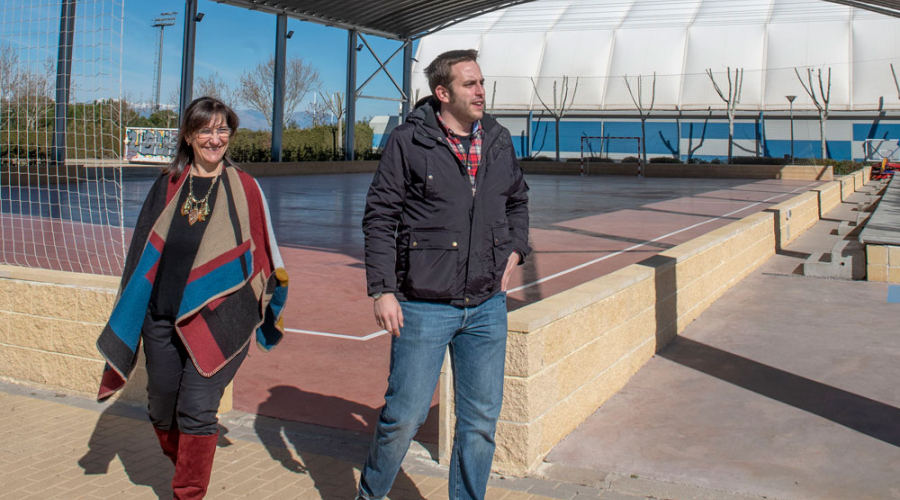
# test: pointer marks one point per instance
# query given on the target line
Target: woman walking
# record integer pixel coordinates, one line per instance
(203, 277)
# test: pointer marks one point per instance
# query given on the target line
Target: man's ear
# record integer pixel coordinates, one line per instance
(442, 94)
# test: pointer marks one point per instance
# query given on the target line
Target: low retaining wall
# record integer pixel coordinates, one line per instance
(787, 172)
(49, 324)
(881, 236)
(566, 355)
(50, 174)
(829, 197)
(569, 353)
(43, 174)
(309, 168)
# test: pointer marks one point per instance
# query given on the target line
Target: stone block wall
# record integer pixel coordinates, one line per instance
(793, 217)
(829, 197)
(883, 263)
(569, 353)
(49, 324)
(848, 185)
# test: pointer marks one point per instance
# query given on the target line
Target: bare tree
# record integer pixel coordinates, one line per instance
(334, 103)
(494, 96)
(33, 95)
(639, 104)
(9, 72)
(824, 96)
(691, 148)
(213, 86)
(559, 109)
(317, 113)
(9, 82)
(257, 86)
(731, 100)
(894, 73)
(122, 112)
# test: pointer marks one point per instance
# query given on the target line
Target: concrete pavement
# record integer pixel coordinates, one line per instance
(55, 446)
(785, 388)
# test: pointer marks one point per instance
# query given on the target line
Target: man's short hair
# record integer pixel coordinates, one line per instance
(438, 72)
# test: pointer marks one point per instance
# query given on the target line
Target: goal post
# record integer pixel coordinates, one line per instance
(607, 149)
(61, 129)
(876, 150)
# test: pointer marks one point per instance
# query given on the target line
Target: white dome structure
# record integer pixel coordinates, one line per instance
(524, 49)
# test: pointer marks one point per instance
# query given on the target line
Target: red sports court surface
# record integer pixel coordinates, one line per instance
(332, 367)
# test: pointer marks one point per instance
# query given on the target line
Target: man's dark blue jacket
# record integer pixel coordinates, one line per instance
(427, 237)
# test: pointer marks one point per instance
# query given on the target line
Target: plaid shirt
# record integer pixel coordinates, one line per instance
(473, 158)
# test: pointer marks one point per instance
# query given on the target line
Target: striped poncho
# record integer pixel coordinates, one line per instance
(237, 286)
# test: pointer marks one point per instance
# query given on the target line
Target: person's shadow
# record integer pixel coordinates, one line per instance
(125, 431)
(330, 461)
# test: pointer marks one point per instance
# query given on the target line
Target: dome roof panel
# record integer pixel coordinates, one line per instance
(600, 42)
(726, 12)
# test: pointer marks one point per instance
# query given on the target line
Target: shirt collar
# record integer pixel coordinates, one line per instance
(476, 127)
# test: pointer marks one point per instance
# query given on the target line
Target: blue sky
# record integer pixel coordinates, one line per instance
(231, 40)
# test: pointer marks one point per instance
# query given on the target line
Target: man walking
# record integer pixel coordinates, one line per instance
(446, 223)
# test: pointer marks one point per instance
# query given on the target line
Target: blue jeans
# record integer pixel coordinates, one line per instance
(477, 340)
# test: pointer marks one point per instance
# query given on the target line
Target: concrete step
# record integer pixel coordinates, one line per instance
(846, 260)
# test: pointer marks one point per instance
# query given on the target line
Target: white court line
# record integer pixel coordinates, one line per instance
(567, 271)
(573, 269)
(338, 335)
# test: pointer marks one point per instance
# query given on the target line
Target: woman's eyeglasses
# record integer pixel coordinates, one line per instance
(207, 133)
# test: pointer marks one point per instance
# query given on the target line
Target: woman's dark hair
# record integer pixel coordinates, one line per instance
(198, 115)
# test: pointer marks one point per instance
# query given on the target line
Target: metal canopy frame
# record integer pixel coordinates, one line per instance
(397, 19)
(884, 7)
(403, 20)
(354, 93)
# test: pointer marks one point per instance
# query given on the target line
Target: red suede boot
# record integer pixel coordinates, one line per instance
(168, 441)
(194, 466)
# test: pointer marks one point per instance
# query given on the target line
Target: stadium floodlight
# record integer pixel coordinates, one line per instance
(790, 99)
(164, 19)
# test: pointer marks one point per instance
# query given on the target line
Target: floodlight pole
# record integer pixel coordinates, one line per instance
(790, 99)
(63, 78)
(164, 19)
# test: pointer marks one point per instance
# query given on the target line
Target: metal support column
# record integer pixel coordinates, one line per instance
(352, 42)
(278, 93)
(63, 78)
(530, 136)
(407, 80)
(187, 56)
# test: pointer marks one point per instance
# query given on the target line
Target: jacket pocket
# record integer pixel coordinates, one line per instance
(500, 243)
(432, 266)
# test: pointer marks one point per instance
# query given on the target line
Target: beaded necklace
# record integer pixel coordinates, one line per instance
(197, 210)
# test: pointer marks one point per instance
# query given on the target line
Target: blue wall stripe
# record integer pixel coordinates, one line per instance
(662, 138)
(863, 131)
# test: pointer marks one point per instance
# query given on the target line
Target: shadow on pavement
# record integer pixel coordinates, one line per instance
(867, 416)
(122, 431)
(334, 478)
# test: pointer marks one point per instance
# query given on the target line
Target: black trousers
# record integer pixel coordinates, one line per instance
(177, 392)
